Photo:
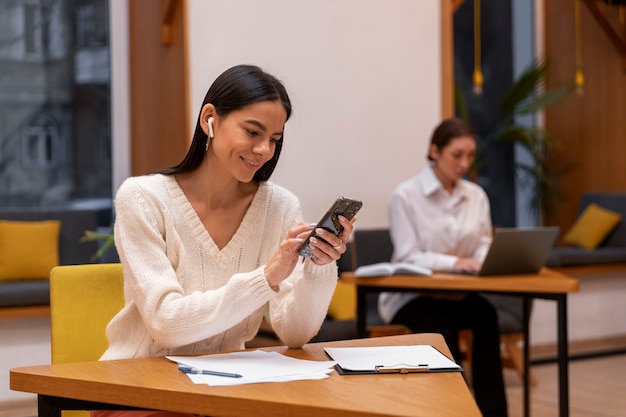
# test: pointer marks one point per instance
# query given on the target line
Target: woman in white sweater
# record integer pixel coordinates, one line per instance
(210, 245)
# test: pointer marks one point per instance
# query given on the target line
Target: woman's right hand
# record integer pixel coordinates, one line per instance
(467, 265)
(284, 260)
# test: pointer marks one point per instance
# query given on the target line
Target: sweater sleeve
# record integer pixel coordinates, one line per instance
(301, 303)
(299, 309)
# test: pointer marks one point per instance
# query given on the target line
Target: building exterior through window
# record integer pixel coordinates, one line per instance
(55, 135)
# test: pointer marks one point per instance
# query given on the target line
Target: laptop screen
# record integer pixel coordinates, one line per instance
(519, 250)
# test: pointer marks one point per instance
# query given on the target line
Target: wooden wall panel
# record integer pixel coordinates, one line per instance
(591, 127)
(447, 60)
(159, 133)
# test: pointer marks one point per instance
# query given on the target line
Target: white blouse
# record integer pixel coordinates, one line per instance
(432, 227)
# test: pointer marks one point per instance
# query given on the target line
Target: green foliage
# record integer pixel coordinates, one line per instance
(107, 238)
(526, 96)
(459, 102)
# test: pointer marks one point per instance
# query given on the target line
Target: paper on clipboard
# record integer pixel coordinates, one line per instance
(391, 359)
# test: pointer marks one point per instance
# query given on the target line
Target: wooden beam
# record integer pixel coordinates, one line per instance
(456, 4)
(168, 7)
(154, 64)
(614, 37)
(24, 311)
(447, 60)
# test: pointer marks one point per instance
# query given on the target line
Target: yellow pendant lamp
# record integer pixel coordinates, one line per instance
(579, 79)
(477, 76)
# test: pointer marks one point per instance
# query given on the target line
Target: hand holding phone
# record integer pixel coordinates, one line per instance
(343, 206)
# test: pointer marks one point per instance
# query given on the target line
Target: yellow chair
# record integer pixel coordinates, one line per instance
(343, 303)
(83, 299)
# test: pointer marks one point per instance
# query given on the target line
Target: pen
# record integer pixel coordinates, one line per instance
(192, 370)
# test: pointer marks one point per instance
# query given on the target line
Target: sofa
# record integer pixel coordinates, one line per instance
(21, 296)
(611, 249)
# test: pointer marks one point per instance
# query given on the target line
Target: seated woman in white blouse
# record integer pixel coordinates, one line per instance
(442, 221)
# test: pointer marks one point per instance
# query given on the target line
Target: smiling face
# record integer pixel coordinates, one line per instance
(245, 139)
(453, 161)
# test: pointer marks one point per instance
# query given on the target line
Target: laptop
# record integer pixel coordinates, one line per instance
(518, 250)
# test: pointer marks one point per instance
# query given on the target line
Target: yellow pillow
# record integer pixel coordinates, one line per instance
(591, 227)
(28, 249)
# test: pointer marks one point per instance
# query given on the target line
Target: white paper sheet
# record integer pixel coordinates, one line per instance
(254, 366)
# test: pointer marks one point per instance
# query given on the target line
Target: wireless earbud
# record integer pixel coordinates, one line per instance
(210, 122)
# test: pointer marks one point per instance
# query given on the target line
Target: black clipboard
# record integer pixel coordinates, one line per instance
(381, 369)
(389, 356)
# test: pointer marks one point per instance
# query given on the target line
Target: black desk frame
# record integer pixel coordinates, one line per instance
(562, 342)
(51, 406)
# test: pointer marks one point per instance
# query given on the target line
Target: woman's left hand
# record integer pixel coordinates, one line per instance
(330, 247)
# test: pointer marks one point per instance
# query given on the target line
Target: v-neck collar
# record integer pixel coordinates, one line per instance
(241, 235)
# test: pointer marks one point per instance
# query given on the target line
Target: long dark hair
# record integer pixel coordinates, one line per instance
(234, 89)
(447, 130)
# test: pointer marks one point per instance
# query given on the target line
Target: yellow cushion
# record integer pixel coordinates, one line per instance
(343, 304)
(28, 249)
(591, 227)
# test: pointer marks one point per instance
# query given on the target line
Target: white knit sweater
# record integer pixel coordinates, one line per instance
(184, 295)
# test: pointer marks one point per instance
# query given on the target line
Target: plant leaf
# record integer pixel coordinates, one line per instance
(461, 105)
(544, 100)
(524, 87)
(92, 236)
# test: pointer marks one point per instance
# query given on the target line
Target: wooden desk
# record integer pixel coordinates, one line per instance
(156, 383)
(547, 284)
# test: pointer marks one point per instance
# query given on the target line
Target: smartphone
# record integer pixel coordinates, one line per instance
(346, 207)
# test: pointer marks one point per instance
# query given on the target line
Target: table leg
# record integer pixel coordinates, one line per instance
(563, 358)
(526, 306)
(49, 406)
(46, 407)
(361, 311)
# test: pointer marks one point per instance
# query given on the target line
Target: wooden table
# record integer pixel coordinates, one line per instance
(156, 383)
(547, 284)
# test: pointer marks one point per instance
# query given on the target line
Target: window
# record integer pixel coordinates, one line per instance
(31, 29)
(40, 145)
(54, 103)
